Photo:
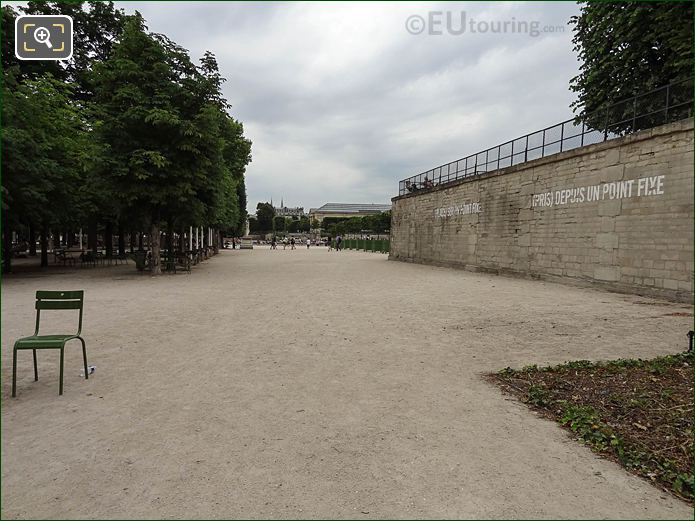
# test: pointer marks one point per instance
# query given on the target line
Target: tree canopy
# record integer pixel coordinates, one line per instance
(265, 213)
(130, 130)
(629, 48)
(377, 223)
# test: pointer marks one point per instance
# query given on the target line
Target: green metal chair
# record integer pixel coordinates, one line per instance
(51, 300)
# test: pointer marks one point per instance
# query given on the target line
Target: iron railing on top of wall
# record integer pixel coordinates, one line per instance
(666, 104)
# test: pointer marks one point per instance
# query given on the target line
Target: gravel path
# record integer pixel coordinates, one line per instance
(314, 384)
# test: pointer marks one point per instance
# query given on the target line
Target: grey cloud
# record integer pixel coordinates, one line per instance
(341, 102)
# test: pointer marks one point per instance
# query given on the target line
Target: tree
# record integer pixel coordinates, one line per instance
(279, 224)
(97, 26)
(129, 130)
(146, 102)
(237, 155)
(265, 213)
(44, 145)
(628, 48)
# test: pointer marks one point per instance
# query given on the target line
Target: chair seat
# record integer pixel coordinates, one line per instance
(43, 341)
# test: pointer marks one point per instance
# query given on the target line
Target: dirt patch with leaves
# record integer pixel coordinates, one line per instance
(636, 412)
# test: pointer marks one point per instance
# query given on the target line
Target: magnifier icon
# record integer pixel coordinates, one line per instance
(42, 35)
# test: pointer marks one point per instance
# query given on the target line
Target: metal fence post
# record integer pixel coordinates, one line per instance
(526, 150)
(543, 145)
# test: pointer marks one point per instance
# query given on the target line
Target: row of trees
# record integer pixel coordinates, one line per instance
(377, 223)
(267, 222)
(129, 134)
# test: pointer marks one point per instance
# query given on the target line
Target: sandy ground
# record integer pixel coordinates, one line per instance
(309, 384)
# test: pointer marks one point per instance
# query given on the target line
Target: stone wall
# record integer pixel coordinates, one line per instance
(617, 215)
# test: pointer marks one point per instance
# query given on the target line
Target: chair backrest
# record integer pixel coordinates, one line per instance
(59, 300)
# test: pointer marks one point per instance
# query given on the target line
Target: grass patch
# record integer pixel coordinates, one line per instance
(636, 412)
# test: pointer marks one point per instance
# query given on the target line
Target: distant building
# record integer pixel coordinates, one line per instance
(284, 211)
(347, 210)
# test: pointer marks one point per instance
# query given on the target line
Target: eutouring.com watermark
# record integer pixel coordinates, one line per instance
(456, 23)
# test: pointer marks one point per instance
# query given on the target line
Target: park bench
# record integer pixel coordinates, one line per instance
(47, 300)
(65, 257)
(183, 260)
(168, 260)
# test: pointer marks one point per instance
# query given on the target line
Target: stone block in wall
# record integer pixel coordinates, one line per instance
(607, 273)
(612, 173)
(606, 257)
(612, 156)
(606, 240)
(609, 208)
(607, 224)
(670, 284)
(685, 286)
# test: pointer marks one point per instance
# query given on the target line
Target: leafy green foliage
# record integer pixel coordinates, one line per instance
(265, 213)
(377, 223)
(129, 129)
(621, 408)
(538, 396)
(253, 225)
(44, 144)
(279, 224)
(629, 48)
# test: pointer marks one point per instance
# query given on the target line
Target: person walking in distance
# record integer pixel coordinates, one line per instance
(308, 243)
(338, 242)
(292, 242)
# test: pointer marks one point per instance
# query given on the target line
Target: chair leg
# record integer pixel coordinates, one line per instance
(36, 369)
(14, 372)
(60, 391)
(84, 356)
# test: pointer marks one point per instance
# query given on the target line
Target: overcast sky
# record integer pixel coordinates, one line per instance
(341, 101)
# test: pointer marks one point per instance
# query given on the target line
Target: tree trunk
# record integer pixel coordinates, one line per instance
(182, 240)
(108, 239)
(32, 240)
(121, 239)
(71, 239)
(92, 235)
(7, 244)
(140, 239)
(44, 246)
(131, 239)
(170, 238)
(154, 242)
